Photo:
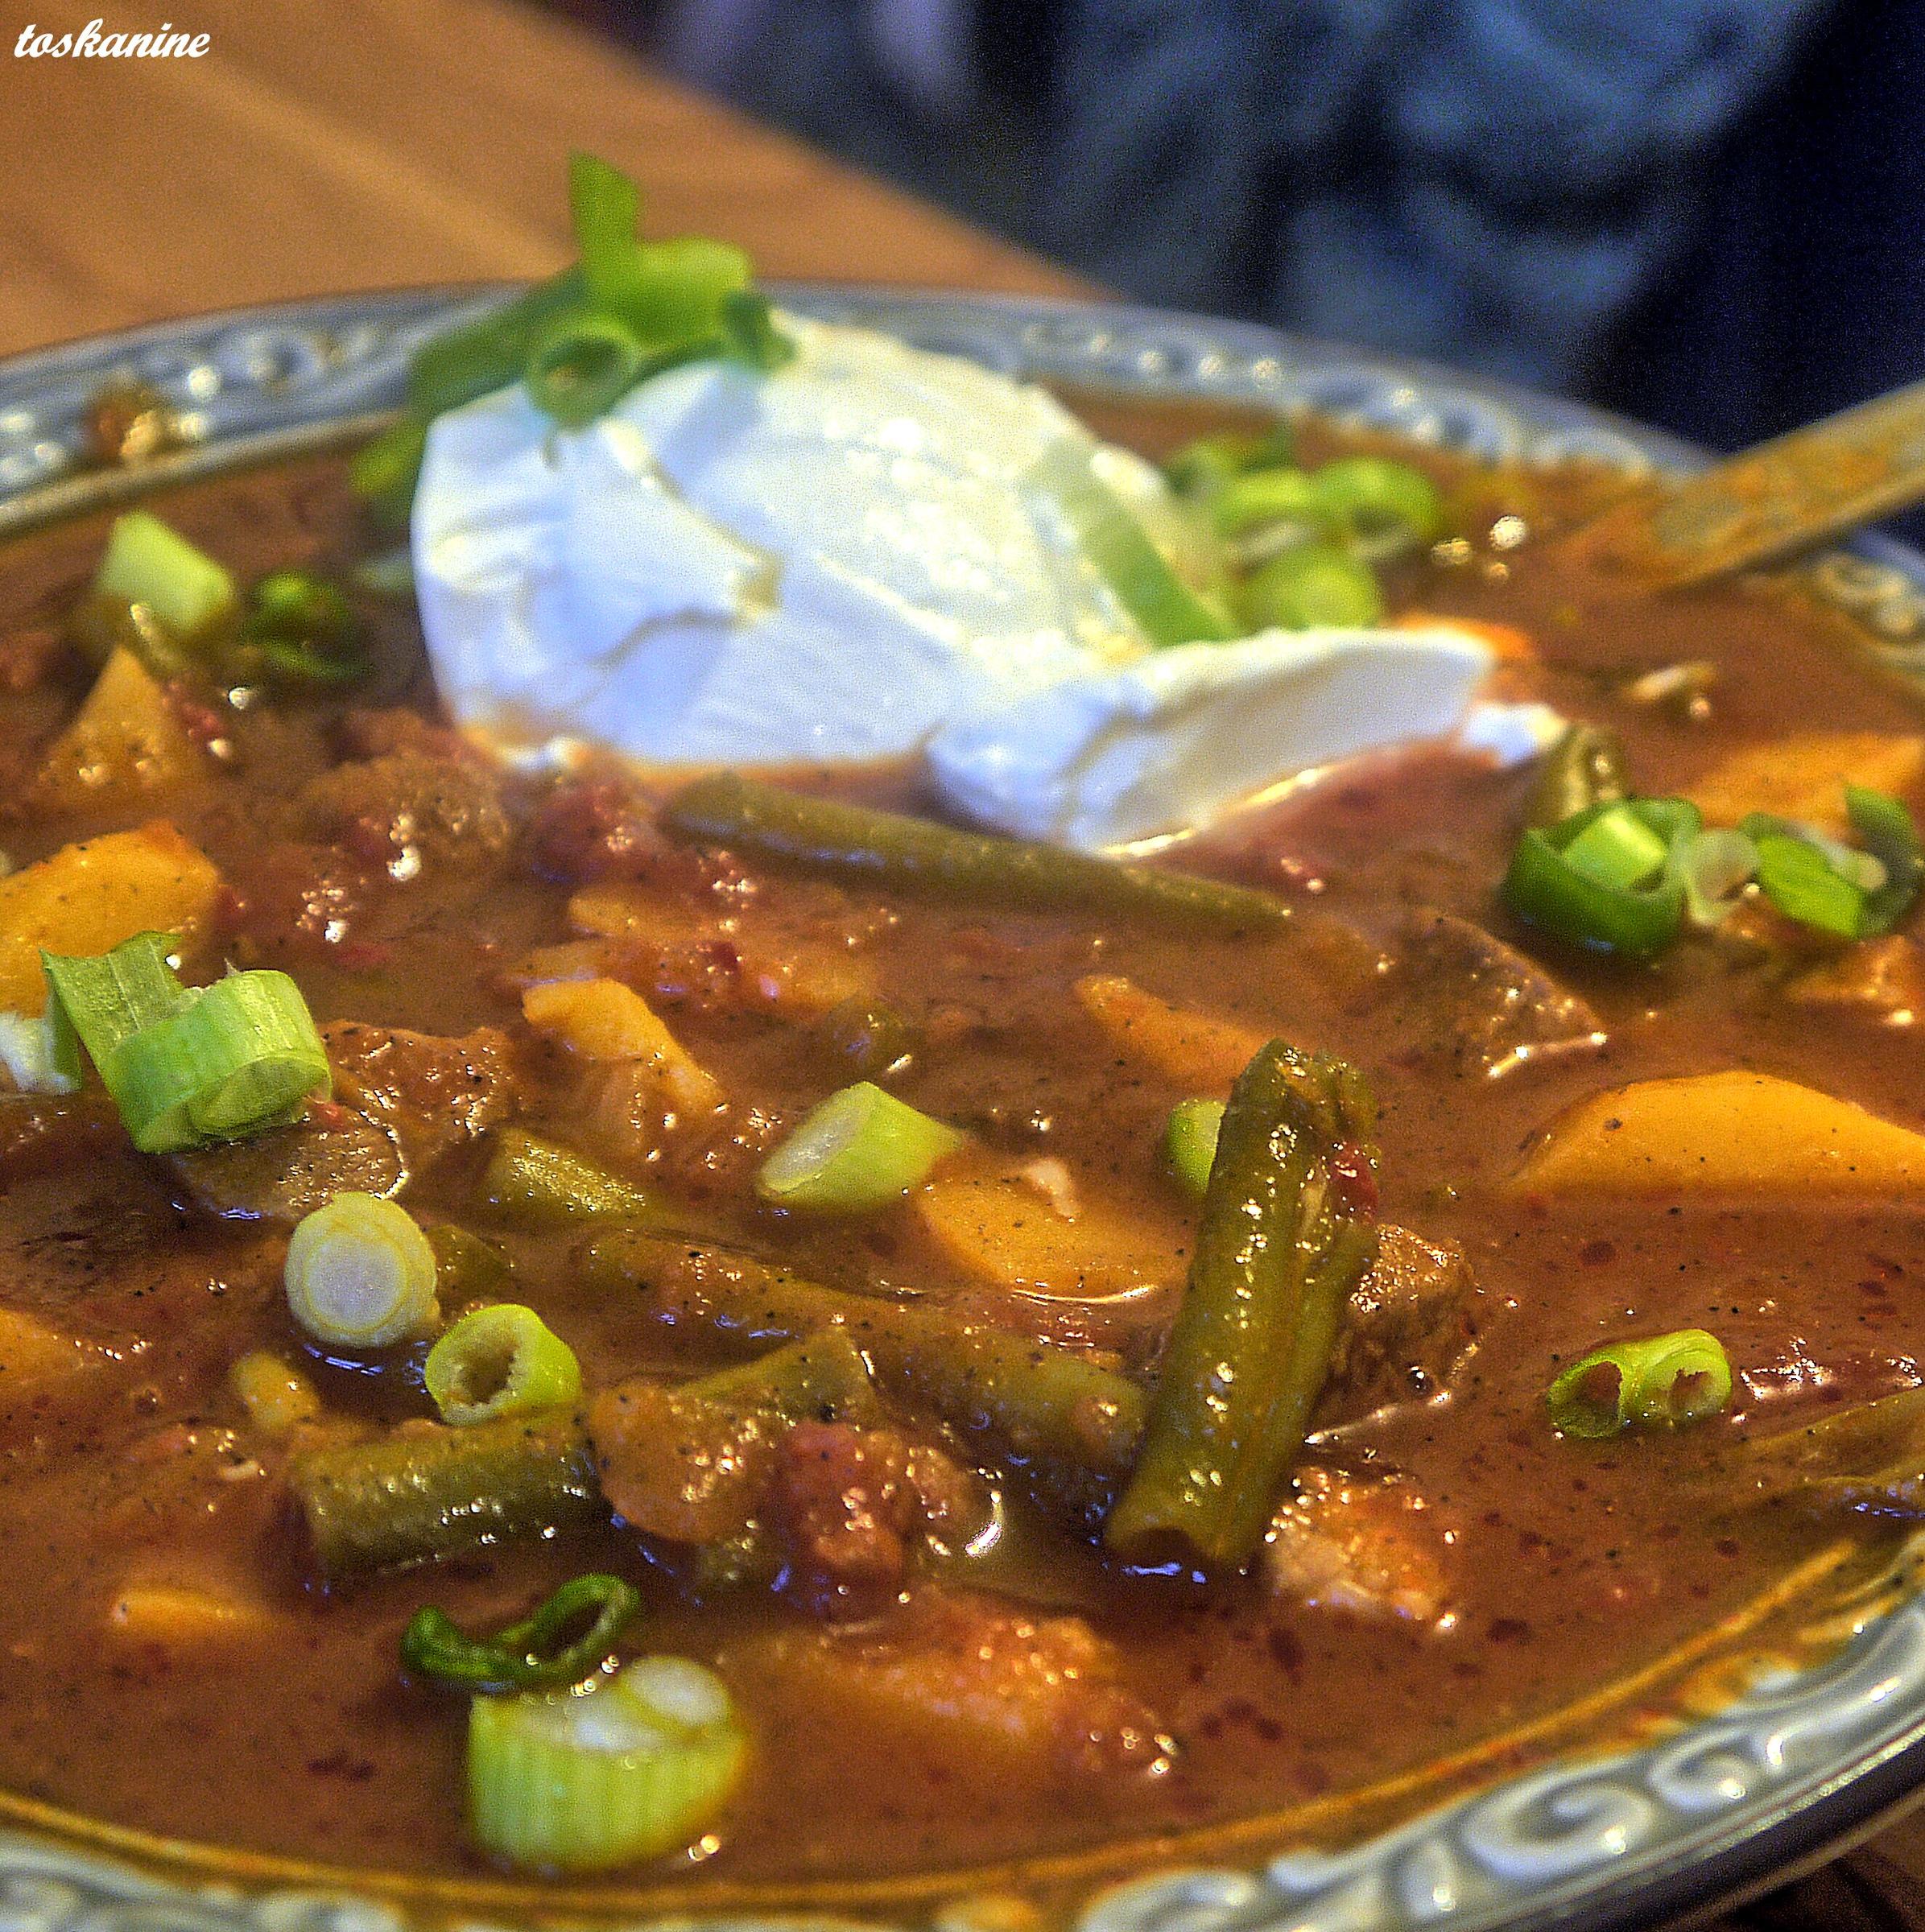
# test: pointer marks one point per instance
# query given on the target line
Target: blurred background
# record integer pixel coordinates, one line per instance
(1706, 214)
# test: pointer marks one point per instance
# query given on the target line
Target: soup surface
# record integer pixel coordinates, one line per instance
(934, 1659)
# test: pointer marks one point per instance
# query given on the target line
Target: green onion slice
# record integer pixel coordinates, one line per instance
(749, 334)
(1189, 1144)
(1202, 468)
(1142, 578)
(581, 366)
(531, 1655)
(1667, 1382)
(383, 473)
(626, 1769)
(149, 562)
(1592, 902)
(1386, 510)
(360, 1274)
(861, 1149)
(1886, 828)
(605, 206)
(1311, 585)
(187, 1064)
(1714, 868)
(1801, 879)
(1268, 498)
(500, 1360)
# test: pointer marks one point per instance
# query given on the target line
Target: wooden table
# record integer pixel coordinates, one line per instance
(323, 145)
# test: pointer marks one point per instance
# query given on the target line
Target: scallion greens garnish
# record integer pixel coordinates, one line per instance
(1666, 1382)
(187, 1064)
(1626, 876)
(628, 310)
(360, 1274)
(861, 1150)
(537, 1654)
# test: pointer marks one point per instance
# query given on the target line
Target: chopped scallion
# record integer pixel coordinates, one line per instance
(861, 1149)
(531, 1655)
(1617, 848)
(1144, 581)
(627, 1768)
(1638, 919)
(149, 562)
(1189, 1144)
(360, 1274)
(1385, 510)
(187, 1064)
(1311, 585)
(1890, 836)
(500, 1360)
(581, 366)
(1667, 1382)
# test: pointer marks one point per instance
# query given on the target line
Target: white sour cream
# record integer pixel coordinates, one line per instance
(841, 562)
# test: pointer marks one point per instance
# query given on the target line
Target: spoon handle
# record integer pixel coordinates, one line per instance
(1772, 501)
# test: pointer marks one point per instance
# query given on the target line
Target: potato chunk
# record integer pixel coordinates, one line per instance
(1008, 1228)
(605, 1020)
(85, 899)
(1804, 776)
(1201, 1052)
(1723, 1133)
(123, 740)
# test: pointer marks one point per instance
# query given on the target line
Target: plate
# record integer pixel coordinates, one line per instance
(1734, 1774)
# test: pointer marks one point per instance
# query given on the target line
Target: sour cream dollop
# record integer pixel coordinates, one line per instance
(844, 561)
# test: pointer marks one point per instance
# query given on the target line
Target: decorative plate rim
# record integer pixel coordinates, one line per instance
(1771, 1778)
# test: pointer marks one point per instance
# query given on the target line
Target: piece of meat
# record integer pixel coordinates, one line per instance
(431, 1092)
(1037, 1699)
(1409, 1324)
(409, 809)
(678, 1467)
(845, 1505)
(280, 1175)
(603, 828)
(1482, 1007)
(1881, 981)
(1368, 1545)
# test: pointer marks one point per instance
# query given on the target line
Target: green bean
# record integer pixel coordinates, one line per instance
(492, 351)
(1070, 1427)
(531, 1182)
(417, 1494)
(1585, 767)
(917, 855)
(821, 1377)
(1279, 1249)
(1867, 1460)
(467, 1269)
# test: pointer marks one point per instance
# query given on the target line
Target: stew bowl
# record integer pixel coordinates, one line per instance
(1698, 1779)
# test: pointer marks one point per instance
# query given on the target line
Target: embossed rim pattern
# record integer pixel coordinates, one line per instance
(1709, 1808)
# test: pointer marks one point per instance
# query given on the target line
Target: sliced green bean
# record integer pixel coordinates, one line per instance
(417, 1494)
(821, 1378)
(1585, 767)
(531, 1183)
(906, 854)
(1278, 1250)
(1070, 1425)
(1866, 1460)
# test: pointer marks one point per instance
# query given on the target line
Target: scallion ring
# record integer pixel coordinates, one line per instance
(1386, 510)
(1888, 834)
(360, 1274)
(1311, 586)
(503, 1360)
(627, 1768)
(861, 1149)
(1666, 1382)
(1610, 898)
(581, 366)
(531, 1655)
(1189, 1144)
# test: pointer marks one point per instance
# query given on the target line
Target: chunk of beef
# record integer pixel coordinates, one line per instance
(1369, 1545)
(409, 809)
(289, 1171)
(1410, 1323)
(1482, 1005)
(431, 1092)
(1880, 981)
(847, 1506)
